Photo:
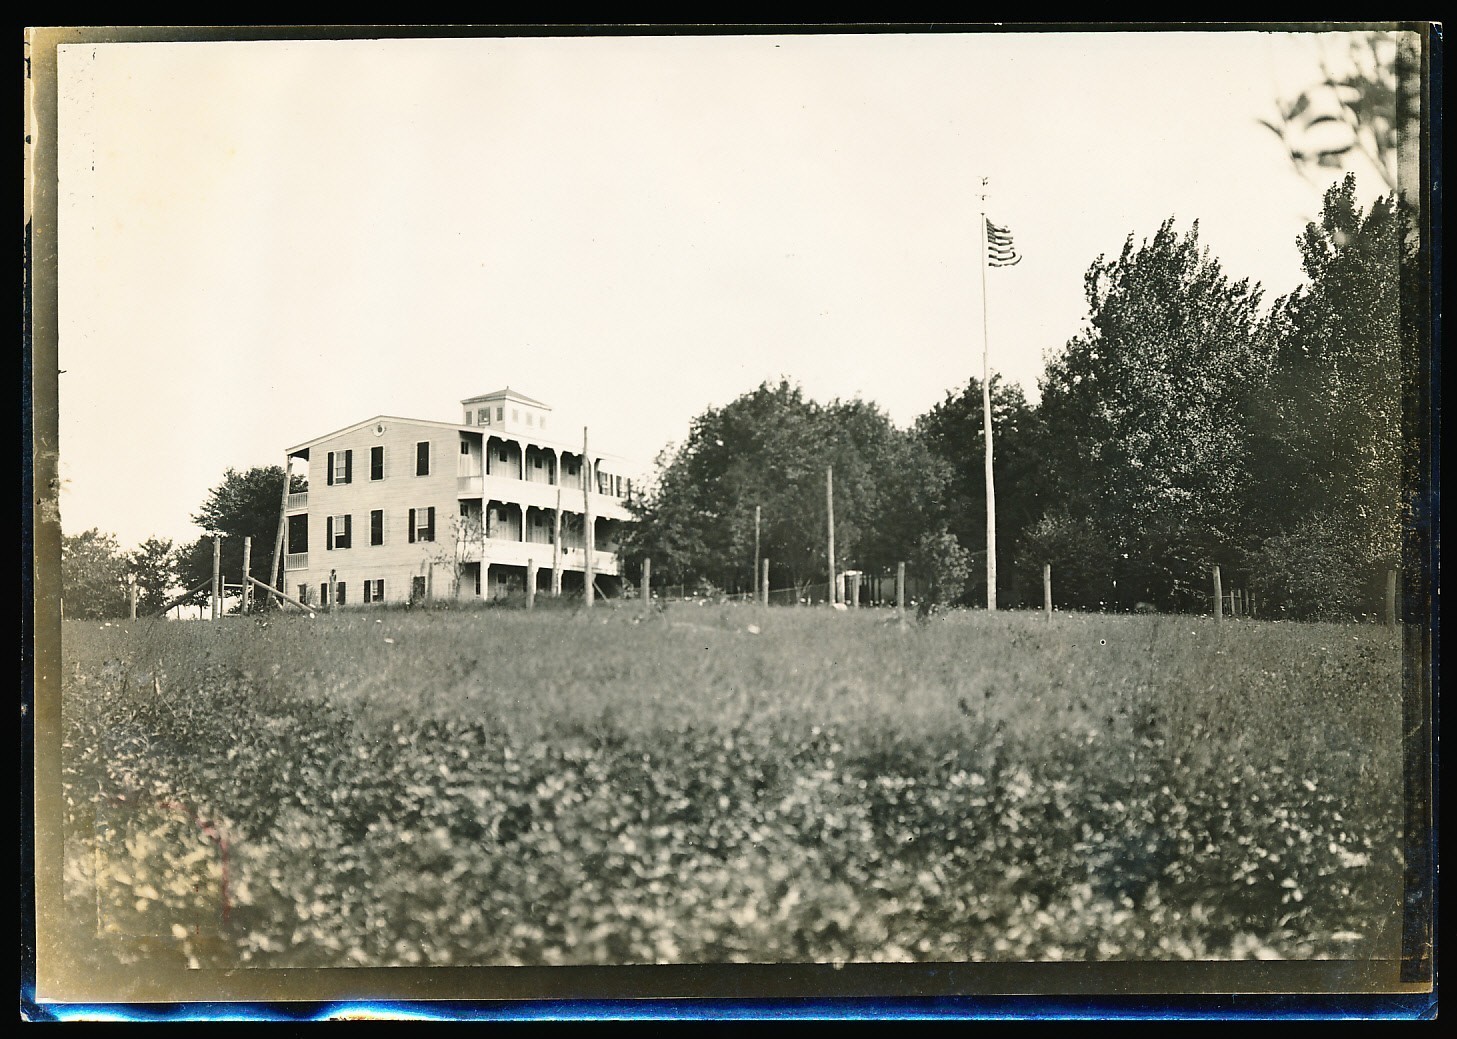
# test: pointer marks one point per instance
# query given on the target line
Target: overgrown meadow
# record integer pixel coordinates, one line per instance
(728, 784)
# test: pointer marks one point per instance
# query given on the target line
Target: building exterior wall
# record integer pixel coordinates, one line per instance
(470, 496)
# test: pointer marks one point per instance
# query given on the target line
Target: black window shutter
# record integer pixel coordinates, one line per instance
(412, 526)
(339, 593)
(430, 523)
(329, 533)
(331, 469)
(349, 466)
(348, 529)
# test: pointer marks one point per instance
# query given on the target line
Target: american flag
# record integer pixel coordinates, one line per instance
(1000, 250)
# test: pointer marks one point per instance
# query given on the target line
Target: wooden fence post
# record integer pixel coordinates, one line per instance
(247, 562)
(1390, 598)
(429, 582)
(530, 584)
(900, 589)
(764, 581)
(131, 595)
(1047, 589)
(217, 577)
(1218, 596)
(647, 586)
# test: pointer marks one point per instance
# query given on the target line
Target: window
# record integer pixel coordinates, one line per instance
(537, 461)
(465, 447)
(515, 414)
(417, 589)
(298, 533)
(340, 467)
(485, 416)
(303, 594)
(500, 412)
(324, 593)
(530, 419)
(336, 532)
(376, 527)
(501, 453)
(339, 593)
(422, 458)
(374, 590)
(376, 463)
(422, 524)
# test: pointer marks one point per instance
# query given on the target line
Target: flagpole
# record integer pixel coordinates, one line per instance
(986, 416)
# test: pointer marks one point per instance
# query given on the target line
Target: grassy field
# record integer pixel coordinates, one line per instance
(725, 784)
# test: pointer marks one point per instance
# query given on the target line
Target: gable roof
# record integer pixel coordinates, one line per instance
(354, 427)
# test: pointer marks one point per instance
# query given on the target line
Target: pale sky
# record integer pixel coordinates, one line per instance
(262, 242)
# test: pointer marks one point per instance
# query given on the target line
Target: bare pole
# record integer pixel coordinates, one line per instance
(830, 523)
(589, 534)
(530, 584)
(281, 595)
(1218, 596)
(647, 586)
(276, 573)
(756, 542)
(217, 576)
(1047, 589)
(986, 415)
(247, 564)
(764, 583)
(556, 541)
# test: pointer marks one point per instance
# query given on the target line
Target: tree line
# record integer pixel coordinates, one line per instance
(94, 568)
(1185, 424)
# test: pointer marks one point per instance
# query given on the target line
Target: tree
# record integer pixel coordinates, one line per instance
(1085, 572)
(1329, 452)
(1366, 104)
(944, 564)
(154, 563)
(770, 447)
(952, 431)
(1147, 414)
(243, 505)
(93, 576)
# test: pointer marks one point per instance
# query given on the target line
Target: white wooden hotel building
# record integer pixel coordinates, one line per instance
(400, 510)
